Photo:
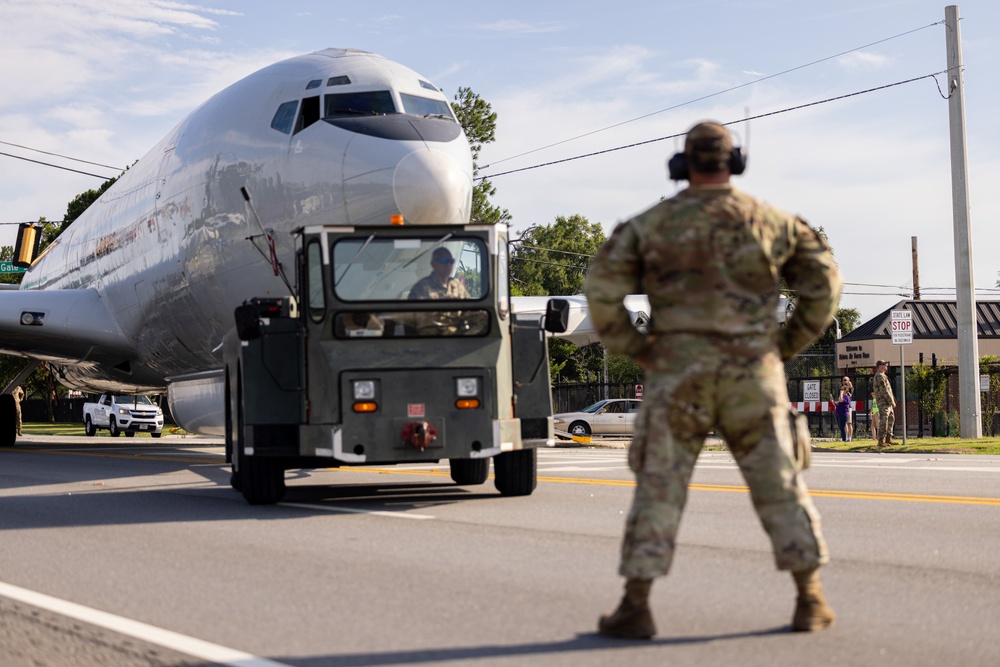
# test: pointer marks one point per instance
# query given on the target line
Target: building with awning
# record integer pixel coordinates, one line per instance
(935, 336)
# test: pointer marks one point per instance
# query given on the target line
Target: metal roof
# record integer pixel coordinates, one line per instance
(931, 319)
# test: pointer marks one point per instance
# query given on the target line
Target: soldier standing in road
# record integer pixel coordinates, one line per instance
(711, 259)
(886, 403)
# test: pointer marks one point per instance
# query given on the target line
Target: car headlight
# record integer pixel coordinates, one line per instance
(466, 387)
(123, 411)
(159, 412)
(364, 390)
(557, 420)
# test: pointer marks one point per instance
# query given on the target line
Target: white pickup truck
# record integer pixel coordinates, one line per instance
(123, 414)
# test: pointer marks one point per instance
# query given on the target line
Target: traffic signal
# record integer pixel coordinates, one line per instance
(29, 238)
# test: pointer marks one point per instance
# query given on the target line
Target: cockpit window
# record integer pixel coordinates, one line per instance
(371, 103)
(309, 113)
(315, 83)
(284, 117)
(424, 106)
(428, 86)
(341, 80)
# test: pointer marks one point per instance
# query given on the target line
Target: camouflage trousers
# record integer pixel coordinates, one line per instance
(694, 385)
(886, 420)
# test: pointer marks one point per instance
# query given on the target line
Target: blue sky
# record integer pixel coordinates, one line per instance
(103, 80)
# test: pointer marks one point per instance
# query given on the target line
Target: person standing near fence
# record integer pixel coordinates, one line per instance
(886, 403)
(848, 387)
(711, 259)
(842, 410)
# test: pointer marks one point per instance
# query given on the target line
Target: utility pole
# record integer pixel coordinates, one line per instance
(916, 268)
(965, 299)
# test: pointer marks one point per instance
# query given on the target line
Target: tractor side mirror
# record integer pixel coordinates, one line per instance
(557, 316)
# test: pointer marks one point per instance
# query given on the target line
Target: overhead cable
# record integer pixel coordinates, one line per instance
(65, 157)
(49, 164)
(731, 122)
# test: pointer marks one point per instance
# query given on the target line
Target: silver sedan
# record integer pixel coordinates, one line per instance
(614, 416)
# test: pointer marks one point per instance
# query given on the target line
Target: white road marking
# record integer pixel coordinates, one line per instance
(149, 633)
(354, 510)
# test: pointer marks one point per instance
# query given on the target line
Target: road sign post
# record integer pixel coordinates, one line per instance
(901, 326)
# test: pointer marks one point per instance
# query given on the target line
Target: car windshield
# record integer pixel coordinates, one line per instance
(132, 400)
(595, 407)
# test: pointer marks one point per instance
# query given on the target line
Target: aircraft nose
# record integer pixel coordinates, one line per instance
(430, 187)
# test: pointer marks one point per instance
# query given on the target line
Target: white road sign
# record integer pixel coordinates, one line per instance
(810, 390)
(901, 326)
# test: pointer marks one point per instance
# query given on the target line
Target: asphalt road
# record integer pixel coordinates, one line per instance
(138, 553)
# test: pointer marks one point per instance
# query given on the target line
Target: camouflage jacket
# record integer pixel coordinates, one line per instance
(883, 391)
(711, 259)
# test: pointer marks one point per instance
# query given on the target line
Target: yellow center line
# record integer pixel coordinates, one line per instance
(722, 488)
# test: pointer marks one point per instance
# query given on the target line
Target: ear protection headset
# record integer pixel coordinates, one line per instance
(677, 166)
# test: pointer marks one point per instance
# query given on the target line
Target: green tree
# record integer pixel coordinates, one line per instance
(552, 260)
(479, 121)
(929, 387)
(82, 202)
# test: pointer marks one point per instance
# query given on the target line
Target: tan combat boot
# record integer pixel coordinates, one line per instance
(811, 610)
(632, 619)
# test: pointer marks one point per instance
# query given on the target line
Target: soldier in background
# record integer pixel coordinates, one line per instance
(18, 397)
(711, 259)
(886, 403)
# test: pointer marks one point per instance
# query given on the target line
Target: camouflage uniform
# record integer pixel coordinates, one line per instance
(710, 259)
(885, 400)
(429, 287)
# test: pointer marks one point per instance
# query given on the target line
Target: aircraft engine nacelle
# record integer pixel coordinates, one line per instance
(197, 403)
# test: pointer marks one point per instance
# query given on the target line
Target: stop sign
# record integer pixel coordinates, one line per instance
(638, 391)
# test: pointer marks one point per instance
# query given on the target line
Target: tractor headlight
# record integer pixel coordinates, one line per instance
(466, 387)
(364, 390)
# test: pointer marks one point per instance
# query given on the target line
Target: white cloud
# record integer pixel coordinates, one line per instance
(863, 59)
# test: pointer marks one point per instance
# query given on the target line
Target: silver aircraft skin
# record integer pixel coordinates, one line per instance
(137, 294)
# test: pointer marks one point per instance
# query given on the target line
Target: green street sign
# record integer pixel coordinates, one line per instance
(8, 267)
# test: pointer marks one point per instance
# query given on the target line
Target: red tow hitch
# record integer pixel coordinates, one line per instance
(419, 435)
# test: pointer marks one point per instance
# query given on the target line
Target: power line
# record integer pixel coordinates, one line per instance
(65, 157)
(731, 122)
(563, 252)
(49, 164)
(710, 95)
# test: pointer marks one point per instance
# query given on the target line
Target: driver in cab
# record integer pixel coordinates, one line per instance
(440, 284)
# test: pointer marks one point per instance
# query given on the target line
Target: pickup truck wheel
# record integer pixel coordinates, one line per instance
(156, 434)
(88, 427)
(516, 473)
(468, 472)
(113, 427)
(129, 434)
(8, 420)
